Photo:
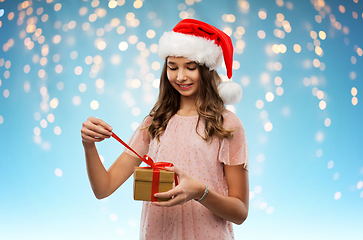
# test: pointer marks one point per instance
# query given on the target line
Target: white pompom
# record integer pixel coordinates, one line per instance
(230, 92)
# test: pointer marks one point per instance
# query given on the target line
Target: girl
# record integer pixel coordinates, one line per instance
(189, 127)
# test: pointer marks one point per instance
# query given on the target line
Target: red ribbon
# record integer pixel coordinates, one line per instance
(154, 166)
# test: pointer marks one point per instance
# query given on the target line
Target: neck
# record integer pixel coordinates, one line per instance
(187, 107)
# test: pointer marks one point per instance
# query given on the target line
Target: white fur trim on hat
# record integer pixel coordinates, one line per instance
(230, 92)
(198, 49)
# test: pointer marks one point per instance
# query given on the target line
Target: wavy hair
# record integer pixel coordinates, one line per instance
(209, 105)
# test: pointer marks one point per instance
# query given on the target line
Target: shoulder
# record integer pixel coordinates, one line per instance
(231, 121)
(147, 121)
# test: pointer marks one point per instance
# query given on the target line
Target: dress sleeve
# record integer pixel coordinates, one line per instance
(140, 139)
(234, 150)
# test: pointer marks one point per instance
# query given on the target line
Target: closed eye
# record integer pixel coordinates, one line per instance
(172, 68)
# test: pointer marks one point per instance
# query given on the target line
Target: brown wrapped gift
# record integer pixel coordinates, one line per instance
(143, 183)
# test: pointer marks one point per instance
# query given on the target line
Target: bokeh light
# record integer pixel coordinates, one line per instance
(62, 62)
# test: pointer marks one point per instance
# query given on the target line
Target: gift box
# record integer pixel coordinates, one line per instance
(143, 183)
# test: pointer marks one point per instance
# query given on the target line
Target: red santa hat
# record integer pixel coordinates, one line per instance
(204, 44)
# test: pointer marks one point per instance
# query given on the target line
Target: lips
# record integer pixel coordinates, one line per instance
(185, 86)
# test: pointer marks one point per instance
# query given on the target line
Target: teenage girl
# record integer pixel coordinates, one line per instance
(190, 127)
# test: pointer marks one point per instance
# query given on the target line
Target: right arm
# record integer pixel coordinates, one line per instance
(104, 182)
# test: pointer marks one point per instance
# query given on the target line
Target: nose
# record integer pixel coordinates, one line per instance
(181, 75)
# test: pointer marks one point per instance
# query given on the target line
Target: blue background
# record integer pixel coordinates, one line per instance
(305, 174)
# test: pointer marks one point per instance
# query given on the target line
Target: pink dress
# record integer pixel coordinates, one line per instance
(182, 146)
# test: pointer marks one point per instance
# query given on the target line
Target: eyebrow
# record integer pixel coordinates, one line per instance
(188, 63)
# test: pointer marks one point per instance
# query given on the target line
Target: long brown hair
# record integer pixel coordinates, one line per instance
(209, 105)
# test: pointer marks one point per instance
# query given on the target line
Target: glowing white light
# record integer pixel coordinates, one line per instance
(123, 46)
(150, 33)
(74, 55)
(354, 101)
(76, 100)
(94, 105)
(37, 139)
(245, 81)
(60, 86)
(115, 59)
(268, 127)
(46, 146)
(236, 65)
(336, 176)
(260, 157)
(50, 118)
(265, 78)
(263, 205)
(261, 34)
(337, 195)
(133, 39)
(264, 114)
(82, 87)
(354, 91)
(43, 123)
(58, 68)
(269, 97)
(156, 83)
(134, 125)
(270, 210)
(78, 70)
(259, 104)
(155, 66)
(319, 153)
(112, 4)
(359, 184)
(100, 83)
(57, 130)
(319, 137)
(120, 231)
(113, 217)
(136, 111)
(58, 172)
(322, 104)
(1, 119)
(279, 91)
(330, 164)
(37, 131)
(251, 195)
(120, 30)
(6, 93)
(54, 103)
(26, 86)
(257, 189)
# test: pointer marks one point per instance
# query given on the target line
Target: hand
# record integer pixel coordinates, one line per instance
(187, 189)
(95, 130)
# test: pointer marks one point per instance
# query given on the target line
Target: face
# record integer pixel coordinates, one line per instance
(183, 75)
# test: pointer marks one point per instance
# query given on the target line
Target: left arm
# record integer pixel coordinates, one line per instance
(233, 207)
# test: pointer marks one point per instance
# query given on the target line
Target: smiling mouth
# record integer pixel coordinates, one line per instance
(185, 86)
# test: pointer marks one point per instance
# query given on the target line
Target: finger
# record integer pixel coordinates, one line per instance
(93, 134)
(96, 129)
(176, 170)
(100, 122)
(178, 200)
(171, 193)
(91, 139)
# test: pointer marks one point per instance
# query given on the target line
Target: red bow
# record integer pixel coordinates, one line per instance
(154, 166)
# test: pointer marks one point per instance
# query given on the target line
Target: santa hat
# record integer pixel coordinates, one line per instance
(204, 44)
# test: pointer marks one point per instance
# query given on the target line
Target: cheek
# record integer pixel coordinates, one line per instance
(169, 74)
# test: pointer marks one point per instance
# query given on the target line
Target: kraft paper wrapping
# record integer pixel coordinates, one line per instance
(143, 183)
